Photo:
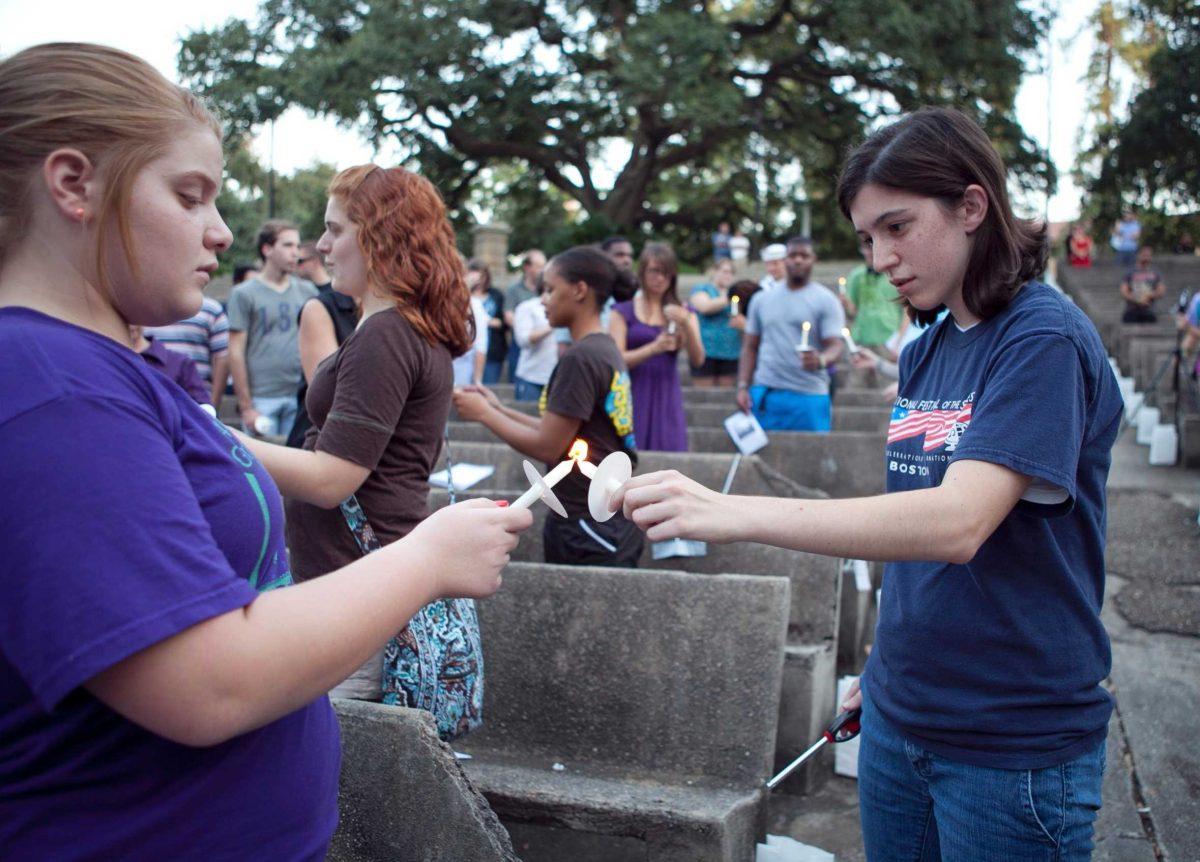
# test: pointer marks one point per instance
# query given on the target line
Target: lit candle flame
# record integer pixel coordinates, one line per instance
(578, 451)
(807, 326)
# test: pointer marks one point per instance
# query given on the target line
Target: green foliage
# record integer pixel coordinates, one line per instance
(733, 110)
(1151, 158)
(244, 203)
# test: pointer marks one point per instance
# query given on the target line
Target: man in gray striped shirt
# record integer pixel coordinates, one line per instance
(203, 338)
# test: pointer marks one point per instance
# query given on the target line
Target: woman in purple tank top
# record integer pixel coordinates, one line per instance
(649, 331)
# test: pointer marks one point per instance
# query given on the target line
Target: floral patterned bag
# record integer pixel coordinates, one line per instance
(435, 663)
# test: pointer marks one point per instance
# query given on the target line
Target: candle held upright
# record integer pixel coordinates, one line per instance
(804, 346)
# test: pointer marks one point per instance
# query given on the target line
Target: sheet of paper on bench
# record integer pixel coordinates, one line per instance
(465, 475)
(746, 433)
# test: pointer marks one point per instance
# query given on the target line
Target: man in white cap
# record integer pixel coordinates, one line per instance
(774, 256)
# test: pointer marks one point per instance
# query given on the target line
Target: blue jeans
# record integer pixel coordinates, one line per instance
(514, 356)
(524, 390)
(491, 371)
(281, 411)
(784, 410)
(917, 806)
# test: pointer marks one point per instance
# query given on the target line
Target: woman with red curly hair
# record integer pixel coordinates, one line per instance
(380, 402)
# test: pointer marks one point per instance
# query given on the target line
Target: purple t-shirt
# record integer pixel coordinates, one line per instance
(129, 515)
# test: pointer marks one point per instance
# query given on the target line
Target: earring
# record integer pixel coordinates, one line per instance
(80, 213)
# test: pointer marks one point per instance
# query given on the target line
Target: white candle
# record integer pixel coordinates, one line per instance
(548, 481)
(733, 304)
(841, 284)
(804, 345)
(671, 328)
(589, 469)
(849, 340)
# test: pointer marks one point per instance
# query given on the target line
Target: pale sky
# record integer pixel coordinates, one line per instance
(152, 29)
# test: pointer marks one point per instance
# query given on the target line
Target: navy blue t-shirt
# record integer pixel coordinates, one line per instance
(128, 515)
(999, 662)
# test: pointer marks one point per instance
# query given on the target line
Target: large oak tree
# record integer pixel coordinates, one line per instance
(695, 99)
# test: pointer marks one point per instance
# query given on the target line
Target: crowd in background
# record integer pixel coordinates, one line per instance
(284, 317)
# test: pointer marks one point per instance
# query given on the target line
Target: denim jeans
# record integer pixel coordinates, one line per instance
(281, 411)
(917, 806)
(524, 390)
(491, 371)
(514, 356)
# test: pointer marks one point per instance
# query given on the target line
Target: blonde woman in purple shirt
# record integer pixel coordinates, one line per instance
(161, 695)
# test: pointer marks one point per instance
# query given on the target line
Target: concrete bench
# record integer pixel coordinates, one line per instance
(708, 469)
(403, 796)
(852, 395)
(816, 614)
(842, 464)
(849, 418)
(655, 693)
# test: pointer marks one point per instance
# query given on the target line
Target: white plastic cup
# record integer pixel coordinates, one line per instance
(1147, 421)
(1164, 445)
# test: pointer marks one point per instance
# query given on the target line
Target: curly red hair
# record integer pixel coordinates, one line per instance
(409, 249)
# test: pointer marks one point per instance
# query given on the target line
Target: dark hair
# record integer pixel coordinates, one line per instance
(269, 233)
(799, 240)
(664, 256)
(477, 265)
(744, 290)
(241, 270)
(593, 268)
(607, 244)
(938, 152)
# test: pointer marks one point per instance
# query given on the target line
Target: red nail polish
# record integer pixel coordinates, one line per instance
(502, 503)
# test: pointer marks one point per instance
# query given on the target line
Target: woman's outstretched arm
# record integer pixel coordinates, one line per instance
(947, 523)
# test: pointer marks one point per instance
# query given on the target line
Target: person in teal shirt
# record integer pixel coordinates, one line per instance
(722, 342)
(872, 301)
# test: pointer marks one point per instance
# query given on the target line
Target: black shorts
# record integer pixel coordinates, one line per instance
(1138, 314)
(716, 368)
(579, 541)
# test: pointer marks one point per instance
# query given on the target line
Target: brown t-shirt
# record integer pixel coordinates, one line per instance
(590, 383)
(381, 402)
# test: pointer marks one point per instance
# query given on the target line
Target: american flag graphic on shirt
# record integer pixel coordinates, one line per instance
(936, 425)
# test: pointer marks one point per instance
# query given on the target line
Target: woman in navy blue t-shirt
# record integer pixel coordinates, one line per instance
(161, 695)
(984, 719)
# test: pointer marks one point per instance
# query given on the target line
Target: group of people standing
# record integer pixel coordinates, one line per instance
(166, 643)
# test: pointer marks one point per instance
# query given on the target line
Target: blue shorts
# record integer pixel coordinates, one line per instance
(784, 410)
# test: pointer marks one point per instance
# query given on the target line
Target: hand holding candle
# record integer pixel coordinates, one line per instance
(804, 346)
(733, 306)
(607, 479)
(849, 339)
